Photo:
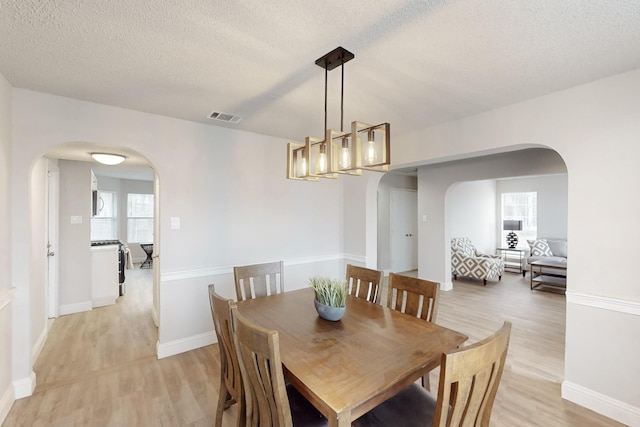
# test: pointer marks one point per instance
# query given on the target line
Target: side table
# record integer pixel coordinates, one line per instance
(513, 259)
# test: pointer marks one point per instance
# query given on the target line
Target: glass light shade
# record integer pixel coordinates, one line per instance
(108, 159)
(302, 170)
(322, 162)
(372, 146)
(371, 154)
(345, 157)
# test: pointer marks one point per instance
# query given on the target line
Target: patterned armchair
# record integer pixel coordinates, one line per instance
(467, 261)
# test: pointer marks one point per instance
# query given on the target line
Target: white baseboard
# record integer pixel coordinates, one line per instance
(78, 307)
(6, 402)
(103, 301)
(605, 405)
(446, 286)
(185, 344)
(24, 387)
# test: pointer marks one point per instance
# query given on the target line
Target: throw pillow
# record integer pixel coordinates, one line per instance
(540, 248)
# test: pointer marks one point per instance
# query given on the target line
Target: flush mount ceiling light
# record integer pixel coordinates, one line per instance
(108, 159)
(366, 147)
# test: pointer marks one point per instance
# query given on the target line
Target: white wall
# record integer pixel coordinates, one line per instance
(226, 186)
(6, 387)
(387, 182)
(38, 257)
(595, 128)
(472, 213)
(75, 239)
(552, 200)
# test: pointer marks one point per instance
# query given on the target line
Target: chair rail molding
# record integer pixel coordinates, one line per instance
(605, 303)
(215, 271)
(6, 297)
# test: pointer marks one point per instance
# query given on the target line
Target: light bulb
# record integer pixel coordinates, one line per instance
(345, 158)
(322, 162)
(303, 167)
(371, 155)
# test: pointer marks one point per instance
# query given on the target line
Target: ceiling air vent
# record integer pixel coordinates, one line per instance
(224, 117)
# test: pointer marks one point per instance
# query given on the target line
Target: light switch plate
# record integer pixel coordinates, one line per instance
(175, 223)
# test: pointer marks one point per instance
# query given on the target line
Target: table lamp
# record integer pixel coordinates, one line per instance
(512, 225)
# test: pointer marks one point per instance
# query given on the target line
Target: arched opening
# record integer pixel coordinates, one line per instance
(102, 301)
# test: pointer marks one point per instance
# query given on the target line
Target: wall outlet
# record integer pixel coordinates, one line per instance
(76, 219)
(175, 223)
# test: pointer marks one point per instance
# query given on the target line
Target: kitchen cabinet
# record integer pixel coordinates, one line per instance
(104, 275)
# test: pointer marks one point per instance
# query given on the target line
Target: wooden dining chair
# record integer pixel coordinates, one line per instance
(364, 282)
(273, 403)
(258, 280)
(469, 380)
(416, 297)
(231, 389)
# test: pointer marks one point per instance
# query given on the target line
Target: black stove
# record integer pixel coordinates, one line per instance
(105, 242)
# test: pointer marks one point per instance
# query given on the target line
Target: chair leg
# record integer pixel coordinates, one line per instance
(499, 278)
(455, 277)
(225, 400)
(485, 281)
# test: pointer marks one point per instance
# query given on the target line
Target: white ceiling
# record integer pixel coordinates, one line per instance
(417, 63)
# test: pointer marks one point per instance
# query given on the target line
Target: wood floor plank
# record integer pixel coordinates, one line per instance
(99, 368)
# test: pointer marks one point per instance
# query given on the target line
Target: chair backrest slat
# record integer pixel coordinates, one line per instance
(414, 296)
(469, 380)
(261, 365)
(230, 378)
(258, 280)
(364, 282)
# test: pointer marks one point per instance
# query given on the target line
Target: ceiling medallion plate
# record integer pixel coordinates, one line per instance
(335, 58)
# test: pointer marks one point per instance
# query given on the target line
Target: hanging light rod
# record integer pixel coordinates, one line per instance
(339, 152)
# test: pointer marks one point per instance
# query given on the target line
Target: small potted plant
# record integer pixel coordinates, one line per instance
(330, 297)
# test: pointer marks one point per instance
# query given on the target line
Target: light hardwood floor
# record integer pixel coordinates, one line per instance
(99, 368)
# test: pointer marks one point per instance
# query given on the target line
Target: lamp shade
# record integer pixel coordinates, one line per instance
(512, 224)
(108, 159)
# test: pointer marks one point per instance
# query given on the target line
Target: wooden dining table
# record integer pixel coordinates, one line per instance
(348, 367)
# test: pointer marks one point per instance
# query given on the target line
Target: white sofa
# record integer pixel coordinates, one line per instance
(548, 249)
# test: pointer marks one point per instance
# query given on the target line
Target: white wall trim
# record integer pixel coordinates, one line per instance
(215, 271)
(77, 307)
(446, 286)
(39, 344)
(185, 344)
(154, 316)
(6, 297)
(612, 304)
(605, 405)
(6, 402)
(103, 301)
(24, 387)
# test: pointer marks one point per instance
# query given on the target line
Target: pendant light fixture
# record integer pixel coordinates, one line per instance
(362, 147)
(108, 159)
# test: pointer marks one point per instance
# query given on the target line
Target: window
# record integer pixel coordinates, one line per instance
(139, 218)
(104, 225)
(521, 206)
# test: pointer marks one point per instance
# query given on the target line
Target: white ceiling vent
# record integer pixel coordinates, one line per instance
(224, 117)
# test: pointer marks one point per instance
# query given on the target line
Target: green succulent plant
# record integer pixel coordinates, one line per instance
(328, 291)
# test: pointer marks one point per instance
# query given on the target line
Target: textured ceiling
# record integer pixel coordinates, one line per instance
(417, 62)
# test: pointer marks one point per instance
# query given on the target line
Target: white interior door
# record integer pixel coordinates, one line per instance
(404, 230)
(53, 197)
